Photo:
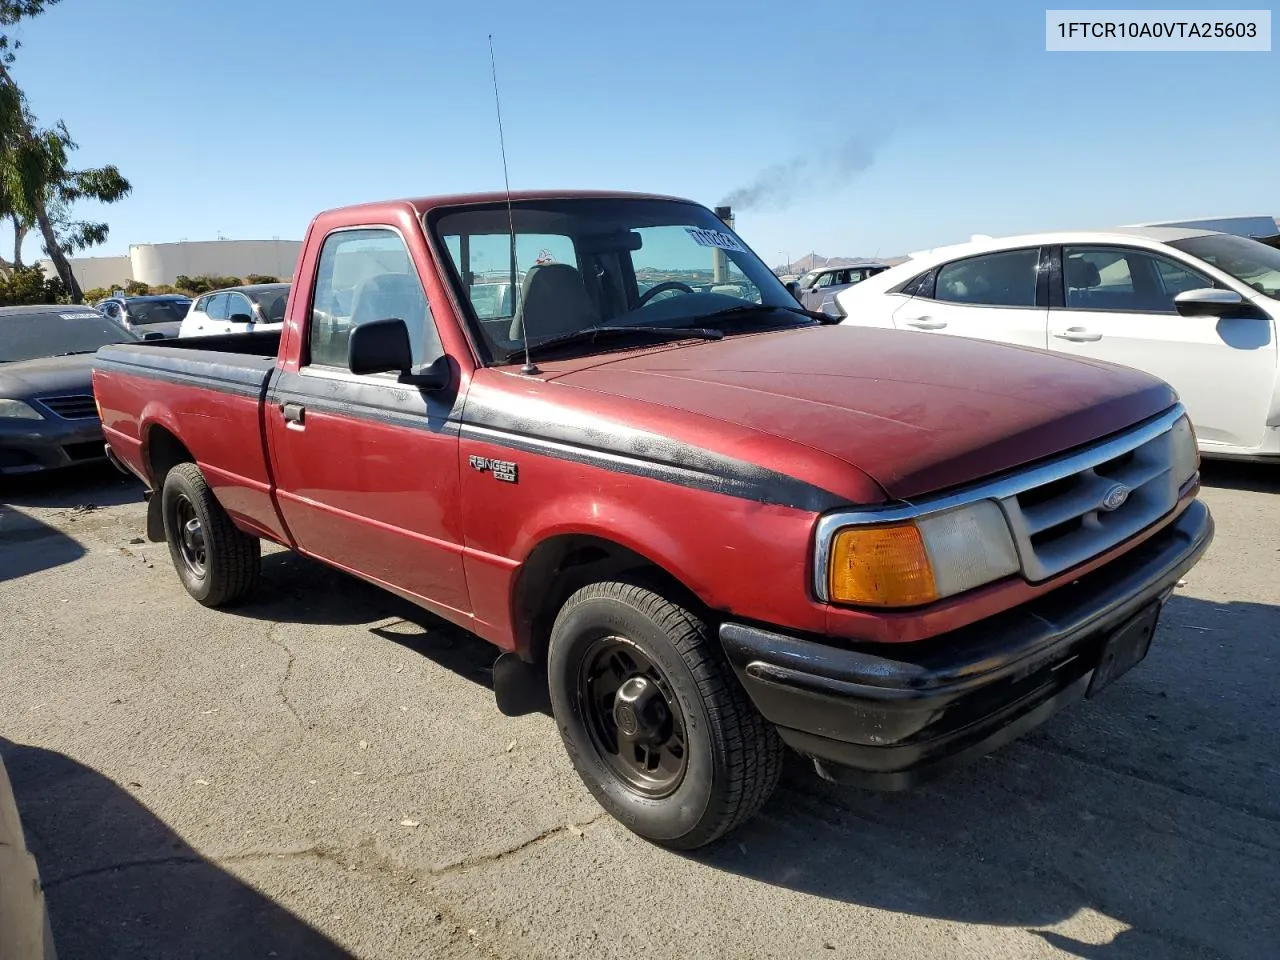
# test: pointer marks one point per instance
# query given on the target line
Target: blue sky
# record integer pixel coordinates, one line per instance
(243, 119)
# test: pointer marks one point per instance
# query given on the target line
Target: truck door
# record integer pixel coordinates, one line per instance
(366, 468)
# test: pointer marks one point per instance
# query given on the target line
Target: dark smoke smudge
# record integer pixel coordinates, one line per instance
(781, 184)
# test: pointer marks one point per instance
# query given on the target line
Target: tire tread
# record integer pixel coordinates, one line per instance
(753, 750)
(235, 557)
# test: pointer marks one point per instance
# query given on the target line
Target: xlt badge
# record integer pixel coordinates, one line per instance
(504, 470)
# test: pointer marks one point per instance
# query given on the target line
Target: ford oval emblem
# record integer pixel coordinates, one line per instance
(1115, 497)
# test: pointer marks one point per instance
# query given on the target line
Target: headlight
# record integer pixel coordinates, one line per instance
(922, 560)
(17, 410)
(1186, 451)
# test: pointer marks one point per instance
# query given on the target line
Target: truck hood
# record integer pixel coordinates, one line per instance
(29, 378)
(916, 413)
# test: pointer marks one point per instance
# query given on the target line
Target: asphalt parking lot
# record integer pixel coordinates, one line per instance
(323, 773)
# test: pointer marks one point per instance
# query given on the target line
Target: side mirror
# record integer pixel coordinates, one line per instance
(1213, 302)
(793, 287)
(240, 318)
(153, 335)
(383, 347)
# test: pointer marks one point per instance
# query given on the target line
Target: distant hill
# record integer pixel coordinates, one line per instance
(813, 261)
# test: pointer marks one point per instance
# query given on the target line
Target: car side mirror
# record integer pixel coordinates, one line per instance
(793, 287)
(153, 335)
(383, 346)
(240, 318)
(1214, 302)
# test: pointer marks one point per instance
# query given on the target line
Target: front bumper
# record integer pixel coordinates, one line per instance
(29, 446)
(888, 716)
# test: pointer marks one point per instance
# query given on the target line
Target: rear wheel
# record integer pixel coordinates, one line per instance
(216, 561)
(653, 719)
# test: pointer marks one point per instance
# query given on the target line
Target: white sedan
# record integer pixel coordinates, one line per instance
(1196, 308)
(253, 307)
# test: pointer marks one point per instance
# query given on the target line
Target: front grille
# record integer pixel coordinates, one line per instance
(87, 450)
(1068, 520)
(79, 406)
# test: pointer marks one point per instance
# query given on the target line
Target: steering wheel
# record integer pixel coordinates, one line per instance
(663, 287)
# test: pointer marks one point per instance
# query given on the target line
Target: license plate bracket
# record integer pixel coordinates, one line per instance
(1124, 649)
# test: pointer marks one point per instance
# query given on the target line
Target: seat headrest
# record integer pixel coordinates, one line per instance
(389, 295)
(553, 301)
(1082, 273)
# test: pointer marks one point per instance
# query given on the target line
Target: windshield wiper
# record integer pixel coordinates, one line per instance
(755, 309)
(75, 353)
(591, 334)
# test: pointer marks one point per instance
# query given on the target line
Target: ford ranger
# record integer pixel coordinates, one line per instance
(708, 523)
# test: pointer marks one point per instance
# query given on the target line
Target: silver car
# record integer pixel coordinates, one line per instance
(818, 288)
(158, 314)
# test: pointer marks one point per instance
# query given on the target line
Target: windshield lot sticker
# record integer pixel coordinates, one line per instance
(714, 238)
(80, 316)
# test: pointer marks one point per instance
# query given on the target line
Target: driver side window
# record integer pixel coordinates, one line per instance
(366, 275)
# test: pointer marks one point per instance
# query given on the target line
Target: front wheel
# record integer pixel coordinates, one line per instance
(216, 561)
(653, 719)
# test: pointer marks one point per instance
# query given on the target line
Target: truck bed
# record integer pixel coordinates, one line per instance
(206, 394)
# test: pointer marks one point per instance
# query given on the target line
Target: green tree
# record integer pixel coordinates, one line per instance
(38, 188)
(26, 285)
(203, 284)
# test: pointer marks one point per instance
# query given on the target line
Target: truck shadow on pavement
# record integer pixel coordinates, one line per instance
(119, 883)
(296, 589)
(1157, 805)
(1241, 475)
(93, 484)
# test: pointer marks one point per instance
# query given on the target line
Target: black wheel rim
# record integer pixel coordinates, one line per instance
(632, 717)
(190, 537)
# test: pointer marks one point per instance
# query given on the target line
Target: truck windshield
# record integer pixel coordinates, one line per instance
(1249, 261)
(594, 262)
(30, 336)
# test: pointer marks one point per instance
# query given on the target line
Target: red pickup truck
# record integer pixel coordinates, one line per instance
(595, 430)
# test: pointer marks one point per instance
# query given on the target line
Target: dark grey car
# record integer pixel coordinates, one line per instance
(818, 288)
(48, 417)
(160, 313)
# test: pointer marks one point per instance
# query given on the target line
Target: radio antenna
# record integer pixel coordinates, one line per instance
(528, 369)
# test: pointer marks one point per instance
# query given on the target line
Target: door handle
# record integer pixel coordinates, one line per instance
(1078, 335)
(926, 323)
(295, 414)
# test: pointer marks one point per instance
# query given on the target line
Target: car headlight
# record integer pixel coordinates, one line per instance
(1186, 450)
(17, 410)
(921, 560)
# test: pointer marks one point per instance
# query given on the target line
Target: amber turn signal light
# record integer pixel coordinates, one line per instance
(882, 566)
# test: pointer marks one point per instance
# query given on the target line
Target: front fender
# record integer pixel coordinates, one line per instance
(737, 557)
(614, 521)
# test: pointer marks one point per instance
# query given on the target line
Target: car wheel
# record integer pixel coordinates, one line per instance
(653, 719)
(216, 561)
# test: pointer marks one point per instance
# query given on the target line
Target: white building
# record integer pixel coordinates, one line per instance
(161, 263)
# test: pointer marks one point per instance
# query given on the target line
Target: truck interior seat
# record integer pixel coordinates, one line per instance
(388, 295)
(553, 301)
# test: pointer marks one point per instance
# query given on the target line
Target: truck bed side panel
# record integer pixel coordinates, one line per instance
(211, 402)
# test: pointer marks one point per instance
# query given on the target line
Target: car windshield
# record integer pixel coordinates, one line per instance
(29, 336)
(145, 312)
(593, 262)
(1249, 261)
(272, 303)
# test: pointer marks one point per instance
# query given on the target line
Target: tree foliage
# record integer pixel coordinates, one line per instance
(203, 284)
(27, 285)
(38, 187)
